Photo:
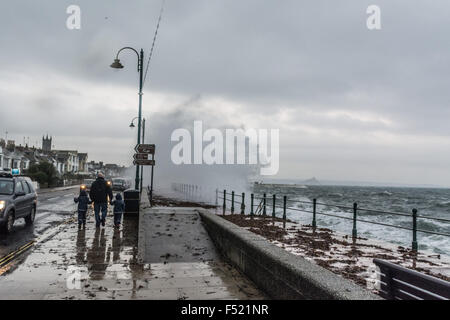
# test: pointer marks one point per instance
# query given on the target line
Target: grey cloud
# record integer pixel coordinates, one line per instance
(266, 56)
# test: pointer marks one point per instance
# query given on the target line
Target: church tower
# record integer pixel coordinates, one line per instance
(46, 144)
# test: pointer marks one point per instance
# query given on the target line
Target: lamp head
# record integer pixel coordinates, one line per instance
(132, 125)
(116, 64)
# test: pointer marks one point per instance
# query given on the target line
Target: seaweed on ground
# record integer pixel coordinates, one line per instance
(351, 258)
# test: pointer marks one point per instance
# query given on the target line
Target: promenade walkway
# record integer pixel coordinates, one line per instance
(185, 262)
(174, 259)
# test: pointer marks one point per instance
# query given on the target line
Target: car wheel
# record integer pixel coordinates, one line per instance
(30, 218)
(8, 226)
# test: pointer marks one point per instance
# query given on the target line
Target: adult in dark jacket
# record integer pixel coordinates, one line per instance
(99, 193)
(83, 202)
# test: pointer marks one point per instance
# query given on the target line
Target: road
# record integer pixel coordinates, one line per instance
(54, 207)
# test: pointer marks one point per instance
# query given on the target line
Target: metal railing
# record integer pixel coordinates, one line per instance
(194, 192)
(314, 211)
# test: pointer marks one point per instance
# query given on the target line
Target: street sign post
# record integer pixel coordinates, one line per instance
(140, 156)
(145, 148)
(144, 162)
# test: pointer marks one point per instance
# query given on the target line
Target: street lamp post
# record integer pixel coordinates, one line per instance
(143, 141)
(118, 65)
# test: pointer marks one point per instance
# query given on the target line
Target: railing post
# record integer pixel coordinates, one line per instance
(273, 205)
(355, 209)
(314, 224)
(224, 201)
(264, 205)
(284, 211)
(414, 242)
(232, 202)
(251, 204)
(217, 197)
(243, 203)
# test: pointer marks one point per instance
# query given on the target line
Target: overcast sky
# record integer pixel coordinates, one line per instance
(350, 103)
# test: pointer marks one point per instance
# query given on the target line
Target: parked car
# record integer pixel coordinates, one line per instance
(120, 184)
(18, 199)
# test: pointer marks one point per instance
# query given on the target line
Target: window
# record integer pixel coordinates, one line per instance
(30, 185)
(26, 188)
(6, 187)
(19, 187)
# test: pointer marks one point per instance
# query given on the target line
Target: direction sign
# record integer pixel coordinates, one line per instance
(140, 156)
(144, 162)
(145, 148)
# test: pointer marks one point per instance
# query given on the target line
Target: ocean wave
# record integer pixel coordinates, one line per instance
(444, 204)
(432, 203)
(384, 193)
(336, 195)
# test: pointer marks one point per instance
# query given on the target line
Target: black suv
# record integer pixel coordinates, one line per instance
(18, 199)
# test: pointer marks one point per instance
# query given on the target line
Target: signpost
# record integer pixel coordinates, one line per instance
(145, 148)
(141, 158)
(145, 162)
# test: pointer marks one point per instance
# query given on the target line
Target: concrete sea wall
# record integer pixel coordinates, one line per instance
(280, 274)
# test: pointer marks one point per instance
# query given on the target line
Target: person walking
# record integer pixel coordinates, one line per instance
(119, 208)
(99, 193)
(83, 202)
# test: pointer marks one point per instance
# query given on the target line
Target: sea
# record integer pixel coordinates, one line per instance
(429, 202)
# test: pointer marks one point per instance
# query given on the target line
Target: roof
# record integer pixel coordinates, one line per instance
(65, 151)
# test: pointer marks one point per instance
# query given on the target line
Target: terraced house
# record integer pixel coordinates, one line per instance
(21, 157)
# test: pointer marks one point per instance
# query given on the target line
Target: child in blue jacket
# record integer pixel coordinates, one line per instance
(119, 208)
(83, 202)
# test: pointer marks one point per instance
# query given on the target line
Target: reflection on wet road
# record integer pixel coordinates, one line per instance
(54, 206)
(104, 264)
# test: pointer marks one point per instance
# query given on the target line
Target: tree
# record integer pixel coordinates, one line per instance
(40, 177)
(43, 172)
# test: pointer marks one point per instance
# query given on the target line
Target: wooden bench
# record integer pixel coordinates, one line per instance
(399, 283)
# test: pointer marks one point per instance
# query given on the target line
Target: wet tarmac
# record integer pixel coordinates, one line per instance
(54, 207)
(177, 261)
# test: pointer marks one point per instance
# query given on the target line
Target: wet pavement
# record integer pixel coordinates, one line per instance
(176, 260)
(178, 249)
(77, 263)
(54, 206)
